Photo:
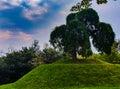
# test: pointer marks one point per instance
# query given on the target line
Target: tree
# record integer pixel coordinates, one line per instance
(101, 33)
(18, 62)
(73, 37)
(86, 4)
(114, 57)
(82, 5)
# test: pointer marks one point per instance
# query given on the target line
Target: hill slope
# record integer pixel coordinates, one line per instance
(69, 76)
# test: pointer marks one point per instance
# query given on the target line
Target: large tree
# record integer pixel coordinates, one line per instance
(73, 37)
(80, 26)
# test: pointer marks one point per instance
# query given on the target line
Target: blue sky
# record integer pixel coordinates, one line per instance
(22, 21)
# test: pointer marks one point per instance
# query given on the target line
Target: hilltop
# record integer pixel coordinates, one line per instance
(69, 76)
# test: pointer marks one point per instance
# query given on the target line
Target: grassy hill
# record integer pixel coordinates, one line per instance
(72, 75)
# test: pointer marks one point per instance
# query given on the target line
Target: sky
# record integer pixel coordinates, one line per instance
(23, 21)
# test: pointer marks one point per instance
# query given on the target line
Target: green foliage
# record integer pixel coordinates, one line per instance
(117, 45)
(50, 55)
(86, 4)
(80, 6)
(17, 63)
(77, 38)
(71, 17)
(97, 59)
(57, 37)
(38, 60)
(74, 37)
(113, 58)
(89, 17)
(4, 71)
(85, 52)
(104, 38)
(101, 33)
(101, 1)
(65, 56)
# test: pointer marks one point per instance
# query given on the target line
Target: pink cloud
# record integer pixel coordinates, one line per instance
(4, 35)
(24, 36)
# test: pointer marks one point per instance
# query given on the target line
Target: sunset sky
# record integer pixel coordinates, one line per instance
(22, 21)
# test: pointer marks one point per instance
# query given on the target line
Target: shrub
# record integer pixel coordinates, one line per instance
(114, 57)
(50, 55)
(17, 63)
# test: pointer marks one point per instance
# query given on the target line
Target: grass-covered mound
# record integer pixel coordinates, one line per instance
(69, 76)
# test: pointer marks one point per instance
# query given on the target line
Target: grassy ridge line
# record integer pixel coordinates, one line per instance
(91, 88)
(81, 61)
(9, 87)
(66, 76)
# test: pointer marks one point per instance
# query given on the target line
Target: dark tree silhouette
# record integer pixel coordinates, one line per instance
(84, 23)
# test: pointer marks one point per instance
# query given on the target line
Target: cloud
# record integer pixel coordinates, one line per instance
(33, 3)
(34, 12)
(10, 3)
(4, 35)
(13, 41)
(8, 35)
(4, 6)
(7, 4)
(14, 2)
(31, 8)
(24, 36)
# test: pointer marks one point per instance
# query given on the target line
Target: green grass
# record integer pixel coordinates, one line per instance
(70, 76)
(81, 61)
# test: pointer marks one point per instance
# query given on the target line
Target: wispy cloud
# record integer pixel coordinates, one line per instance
(3, 6)
(19, 2)
(24, 36)
(6, 4)
(33, 3)
(34, 10)
(8, 35)
(4, 35)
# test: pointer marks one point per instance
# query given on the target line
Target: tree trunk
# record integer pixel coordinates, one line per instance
(74, 56)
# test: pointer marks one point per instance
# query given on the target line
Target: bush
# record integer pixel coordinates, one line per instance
(94, 56)
(17, 63)
(114, 57)
(50, 55)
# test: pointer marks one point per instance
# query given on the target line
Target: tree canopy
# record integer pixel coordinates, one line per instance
(74, 37)
(71, 37)
(104, 37)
